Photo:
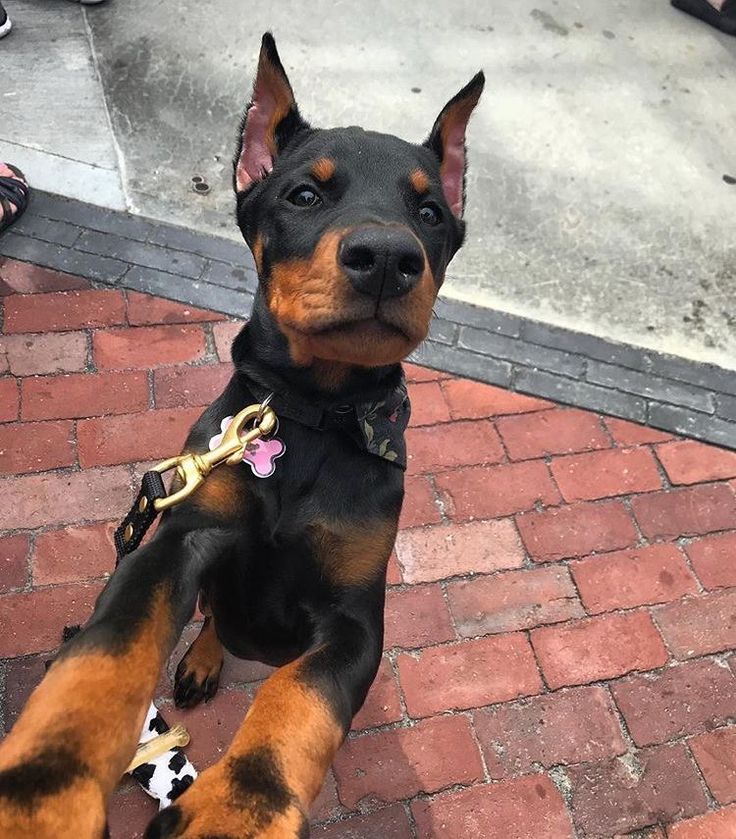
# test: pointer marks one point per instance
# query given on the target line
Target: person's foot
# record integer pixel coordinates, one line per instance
(5, 24)
(14, 192)
(89, 2)
(723, 18)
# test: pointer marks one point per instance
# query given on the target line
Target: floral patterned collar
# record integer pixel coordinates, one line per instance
(377, 427)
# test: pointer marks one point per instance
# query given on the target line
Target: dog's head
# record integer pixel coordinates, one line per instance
(351, 230)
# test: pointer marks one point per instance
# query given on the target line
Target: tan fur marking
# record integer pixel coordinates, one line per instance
(297, 725)
(205, 656)
(258, 253)
(419, 181)
(323, 169)
(223, 493)
(98, 701)
(354, 556)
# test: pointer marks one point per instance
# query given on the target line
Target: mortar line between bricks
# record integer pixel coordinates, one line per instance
(413, 829)
(468, 714)
(709, 797)
(666, 483)
(682, 548)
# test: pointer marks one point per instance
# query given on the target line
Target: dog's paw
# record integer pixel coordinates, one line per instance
(196, 679)
(207, 809)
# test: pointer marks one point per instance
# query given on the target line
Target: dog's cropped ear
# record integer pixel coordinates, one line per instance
(271, 119)
(447, 141)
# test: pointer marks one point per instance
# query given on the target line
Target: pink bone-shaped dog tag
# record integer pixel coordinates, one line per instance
(260, 454)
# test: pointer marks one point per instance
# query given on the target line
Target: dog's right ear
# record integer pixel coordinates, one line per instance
(270, 122)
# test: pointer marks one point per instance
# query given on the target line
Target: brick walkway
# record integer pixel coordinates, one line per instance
(561, 610)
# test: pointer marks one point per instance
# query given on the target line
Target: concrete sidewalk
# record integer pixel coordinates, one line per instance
(560, 609)
(597, 191)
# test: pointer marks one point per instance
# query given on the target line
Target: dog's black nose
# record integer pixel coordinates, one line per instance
(382, 262)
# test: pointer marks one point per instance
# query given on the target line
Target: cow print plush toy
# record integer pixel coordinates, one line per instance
(167, 776)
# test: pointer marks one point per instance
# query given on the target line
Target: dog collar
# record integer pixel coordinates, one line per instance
(378, 427)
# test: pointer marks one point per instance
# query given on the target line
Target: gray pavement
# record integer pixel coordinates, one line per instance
(597, 197)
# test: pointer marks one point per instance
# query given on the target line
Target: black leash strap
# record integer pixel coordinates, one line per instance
(141, 515)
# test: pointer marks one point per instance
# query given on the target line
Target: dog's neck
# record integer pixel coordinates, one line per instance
(261, 352)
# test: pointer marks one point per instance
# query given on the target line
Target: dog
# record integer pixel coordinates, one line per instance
(351, 232)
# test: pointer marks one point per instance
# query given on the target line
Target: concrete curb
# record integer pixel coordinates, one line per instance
(115, 248)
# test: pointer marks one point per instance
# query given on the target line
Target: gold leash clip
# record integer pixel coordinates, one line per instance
(192, 469)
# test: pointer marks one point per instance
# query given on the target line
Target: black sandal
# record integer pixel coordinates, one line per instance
(725, 19)
(13, 194)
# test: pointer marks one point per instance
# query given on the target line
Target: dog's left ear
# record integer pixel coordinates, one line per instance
(271, 119)
(447, 141)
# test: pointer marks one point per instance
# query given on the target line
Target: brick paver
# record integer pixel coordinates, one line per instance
(561, 610)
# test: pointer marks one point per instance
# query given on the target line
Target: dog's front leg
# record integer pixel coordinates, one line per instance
(80, 727)
(276, 764)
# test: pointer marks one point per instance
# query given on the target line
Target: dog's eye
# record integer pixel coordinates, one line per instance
(430, 215)
(304, 197)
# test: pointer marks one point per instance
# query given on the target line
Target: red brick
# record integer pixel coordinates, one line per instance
(393, 572)
(577, 530)
(382, 705)
(419, 505)
(631, 434)
(25, 278)
(718, 825)
(60, 311)
(391, 765)
(598, 648)
(53, 352)
(492, 491)
(699, 625)
(32, 622)
(622, 580)
(212, 726)
(677, 701)
(144, 309)
(448, 446)
(105, 441)
(56, 498)
(13, 562)
(571, 726)
(128, 814)
(178, 387)
(36, 446)
(74, 553)
(686, 512)
(148, 346)
(558, 431)
(585, 477)
(388, 823)
(474, 400)
(414, 373)
(690, 462)
(525, 808)
(326, 805)
(84, 395)
(512, 601)
(435, 553)
(9, 399)
(712, 558)
(468, 675)
(613, 797)
(22, 676)
(224, 336)
(428, 405)
(416, 617)
(715, 753)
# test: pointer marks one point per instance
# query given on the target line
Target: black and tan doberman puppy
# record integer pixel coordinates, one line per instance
(351, 232)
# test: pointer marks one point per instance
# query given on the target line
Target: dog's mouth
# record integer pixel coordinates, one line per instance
(372, 328)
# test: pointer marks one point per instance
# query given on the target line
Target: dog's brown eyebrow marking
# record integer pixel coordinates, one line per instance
(323, 169)
(419, 181)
